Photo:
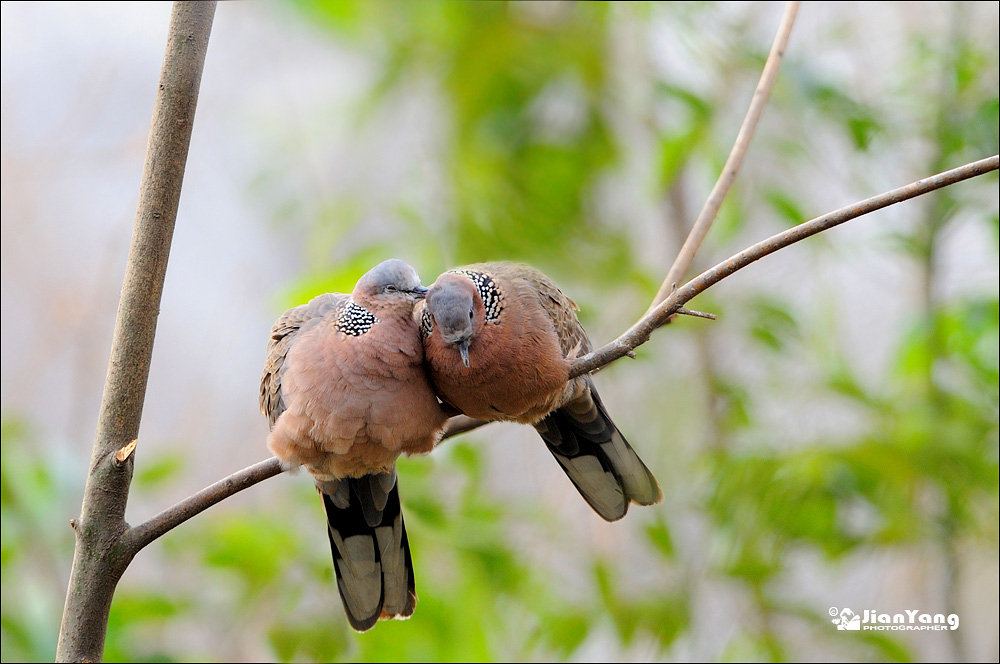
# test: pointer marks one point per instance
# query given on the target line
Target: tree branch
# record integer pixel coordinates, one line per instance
(711, 208)
(170, 518)
(634, 337)
(139, 536)
(99, 560)
(639, 333)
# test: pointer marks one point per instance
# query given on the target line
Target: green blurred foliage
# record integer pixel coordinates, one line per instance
(532, 133)
(926, 469)
(36, 541)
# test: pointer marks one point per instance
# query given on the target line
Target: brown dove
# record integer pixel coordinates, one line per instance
(500, 339)
(346, 392)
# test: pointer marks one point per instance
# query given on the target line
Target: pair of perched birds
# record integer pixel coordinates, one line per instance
(353, 381)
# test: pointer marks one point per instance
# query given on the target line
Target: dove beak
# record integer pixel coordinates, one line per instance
(463, 350)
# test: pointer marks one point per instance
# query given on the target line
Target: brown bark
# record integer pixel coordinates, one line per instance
(101, 556)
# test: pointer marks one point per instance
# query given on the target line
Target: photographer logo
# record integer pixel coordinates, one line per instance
(908, 620)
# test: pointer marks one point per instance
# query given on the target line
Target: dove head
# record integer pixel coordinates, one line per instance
(457, 308)
(390, 285)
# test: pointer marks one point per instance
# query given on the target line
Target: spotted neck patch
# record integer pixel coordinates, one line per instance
(426, 323)
(354, 320)
(490, 293)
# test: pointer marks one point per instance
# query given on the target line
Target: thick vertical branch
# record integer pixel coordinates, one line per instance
(99, 559)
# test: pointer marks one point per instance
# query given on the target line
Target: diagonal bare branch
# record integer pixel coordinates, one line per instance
(141, 535)
(718, 194)
(639, 333)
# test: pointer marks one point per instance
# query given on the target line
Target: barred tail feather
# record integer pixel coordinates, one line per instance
(595, 455)
(371, 553)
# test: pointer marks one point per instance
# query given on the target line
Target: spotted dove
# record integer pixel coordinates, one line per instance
(346, 392)
(500, 339)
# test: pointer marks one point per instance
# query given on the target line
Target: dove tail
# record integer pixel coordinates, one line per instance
(595, 455)
(371, 554)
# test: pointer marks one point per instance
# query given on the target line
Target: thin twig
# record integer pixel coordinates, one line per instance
(461, 424)
(711, 209)
(696, 314)
(639, 333)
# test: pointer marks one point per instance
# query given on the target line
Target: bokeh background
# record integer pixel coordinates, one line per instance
(829, 442)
